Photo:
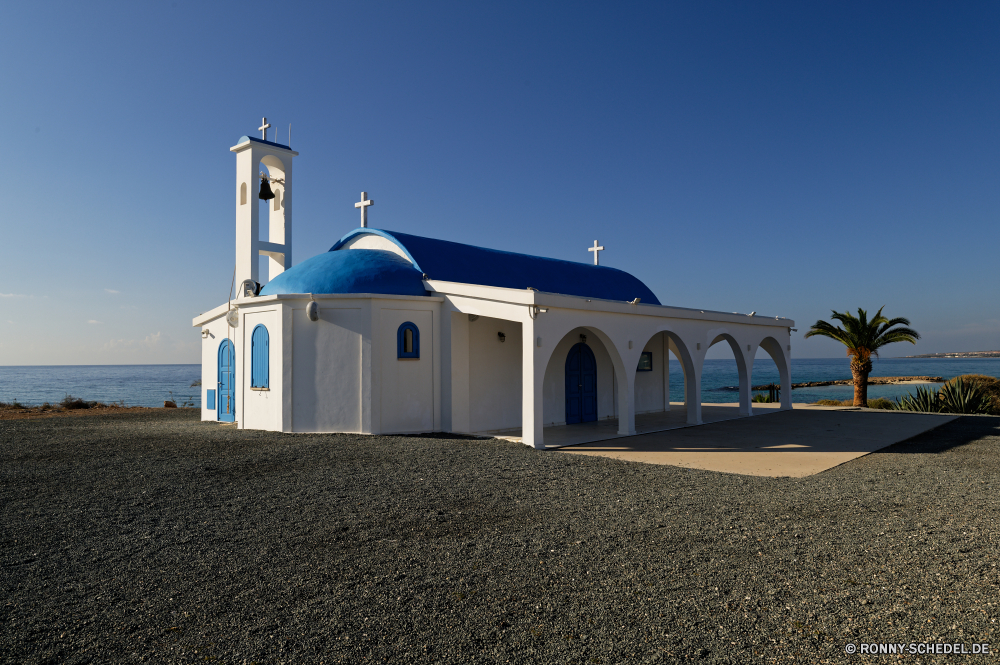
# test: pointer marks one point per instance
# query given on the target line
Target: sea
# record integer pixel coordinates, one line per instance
(151, 385)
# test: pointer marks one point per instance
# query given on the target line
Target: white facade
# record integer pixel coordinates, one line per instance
(342, 370)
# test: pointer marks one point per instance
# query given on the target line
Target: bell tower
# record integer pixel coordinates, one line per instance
(251, 152)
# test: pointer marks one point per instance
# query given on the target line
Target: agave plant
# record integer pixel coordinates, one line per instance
(960, 397)
(925, 401)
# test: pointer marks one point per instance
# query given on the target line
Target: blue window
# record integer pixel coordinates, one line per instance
(408, 341)
(260, 358)
(210, 400)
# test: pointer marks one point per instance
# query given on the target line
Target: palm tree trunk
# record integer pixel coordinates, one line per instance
(860, 386)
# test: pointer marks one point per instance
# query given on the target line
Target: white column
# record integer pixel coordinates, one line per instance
(692, 387)
(455, 372)
(666, 371)
(284, 361)
(746, 382)
(532, 380)
(786, 380)
(626, 402)
(247, 216)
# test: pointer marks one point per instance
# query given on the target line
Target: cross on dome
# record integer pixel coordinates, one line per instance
(263, 127)
(595, 249)
(363, 204)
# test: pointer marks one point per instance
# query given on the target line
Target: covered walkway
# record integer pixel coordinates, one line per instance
(560, 436)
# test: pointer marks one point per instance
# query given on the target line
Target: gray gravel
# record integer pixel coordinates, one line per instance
(157, 538)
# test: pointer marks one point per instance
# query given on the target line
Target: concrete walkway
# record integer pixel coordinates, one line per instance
(793, 443)
(558, 436)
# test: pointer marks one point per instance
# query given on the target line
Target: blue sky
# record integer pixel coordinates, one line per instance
(788, 158)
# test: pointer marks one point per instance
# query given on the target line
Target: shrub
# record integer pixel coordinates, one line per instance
(834, 402)
(880, 403)
(988, 384)
(925, 401)
(761, 397)
(957, 396)
(70, 402)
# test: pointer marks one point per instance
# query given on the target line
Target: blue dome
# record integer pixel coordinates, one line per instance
(354, 271)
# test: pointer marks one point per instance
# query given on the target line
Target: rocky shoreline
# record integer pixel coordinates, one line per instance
(872, 381)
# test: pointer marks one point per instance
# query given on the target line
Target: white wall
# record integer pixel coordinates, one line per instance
(554, 386)
(649, 386)
(407, 385)
(494, 375)
(326, 368)
(217, 329)
(261, 409)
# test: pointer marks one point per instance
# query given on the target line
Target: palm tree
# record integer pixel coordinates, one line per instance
(863, 338)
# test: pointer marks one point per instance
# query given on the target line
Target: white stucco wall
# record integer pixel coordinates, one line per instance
(649, 386)
(494, 401)
(407, 385)
(326, 368)
(217, 329)
(261, 409)
(554, 386)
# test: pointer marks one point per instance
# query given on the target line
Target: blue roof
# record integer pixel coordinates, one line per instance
(362, 271)
(468, 264)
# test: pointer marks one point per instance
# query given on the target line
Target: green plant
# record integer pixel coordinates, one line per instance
(761, 397)
(70, 402)
(863, 339)
(957, 396)
(880, 403)
(989, 384)
(925, 401)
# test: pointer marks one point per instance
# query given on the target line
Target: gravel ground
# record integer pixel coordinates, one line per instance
(154, 537)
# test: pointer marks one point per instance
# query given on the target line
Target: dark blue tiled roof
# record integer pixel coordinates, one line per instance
(468, 264)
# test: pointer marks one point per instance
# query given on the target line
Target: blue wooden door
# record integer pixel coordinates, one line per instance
(227, 382)
(581, 385)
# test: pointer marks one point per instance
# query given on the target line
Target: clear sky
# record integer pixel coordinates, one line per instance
(789, 158)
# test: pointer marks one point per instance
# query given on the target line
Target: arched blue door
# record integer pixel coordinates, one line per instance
(227, 382)
(581, 385)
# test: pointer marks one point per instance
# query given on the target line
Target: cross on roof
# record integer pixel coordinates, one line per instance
(263, 127)
(595, 249)
(363, 204)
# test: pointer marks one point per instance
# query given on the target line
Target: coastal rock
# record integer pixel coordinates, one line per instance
(872, 381)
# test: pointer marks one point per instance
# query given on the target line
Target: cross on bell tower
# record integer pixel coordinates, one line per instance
(263, 127)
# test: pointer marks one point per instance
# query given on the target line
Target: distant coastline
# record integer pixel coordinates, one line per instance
(959, 354)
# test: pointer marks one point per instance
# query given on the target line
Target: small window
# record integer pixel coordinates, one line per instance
(243, 194)
(408, 341)
(277, 199)
(260, 358)
(645, 362)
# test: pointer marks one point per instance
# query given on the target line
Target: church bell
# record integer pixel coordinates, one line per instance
(265, 189)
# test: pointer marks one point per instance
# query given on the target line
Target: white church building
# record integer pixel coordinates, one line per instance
(391, 333)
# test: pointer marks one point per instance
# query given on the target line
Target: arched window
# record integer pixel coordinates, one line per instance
(243, 194)
(408, 341)
(260, 358)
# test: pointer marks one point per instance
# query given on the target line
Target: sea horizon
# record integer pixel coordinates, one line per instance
(151, 384)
